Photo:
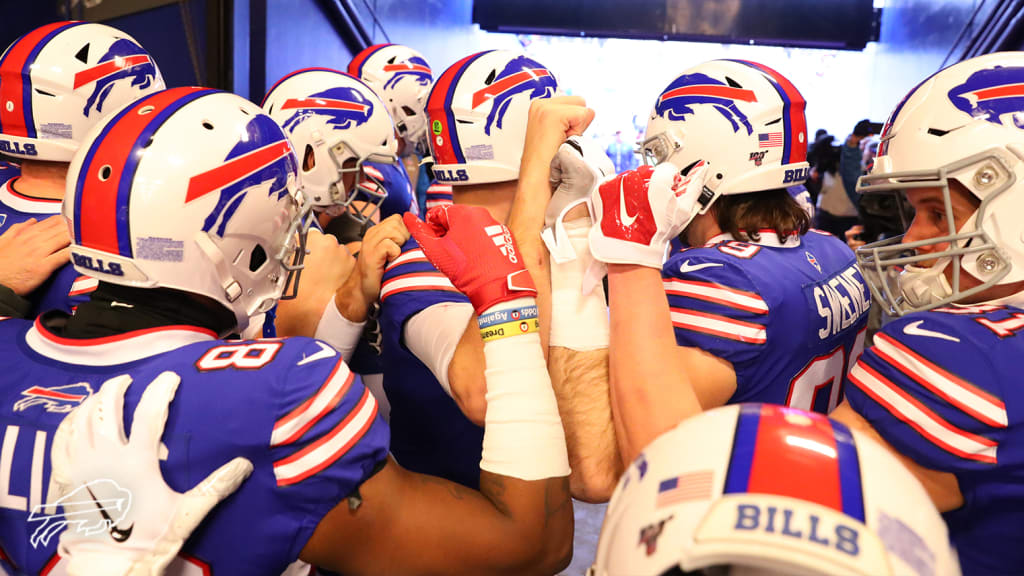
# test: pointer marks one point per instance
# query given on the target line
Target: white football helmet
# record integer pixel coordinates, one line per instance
(402, 78)
(191, 189)
(964, 123)
(332, 119)
(60, 79)
(478, 111)
(745, 120)
(765, 489)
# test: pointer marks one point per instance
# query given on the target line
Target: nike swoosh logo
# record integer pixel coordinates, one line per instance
(627, 220)
(914, 329)
(687, 267)
(118, 534)
(325, 352)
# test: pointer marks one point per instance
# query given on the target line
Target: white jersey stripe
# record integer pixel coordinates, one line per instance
(419, 281)
(964, 396)
(416, 255)
(300, 420)
(83, 285)
(926, 422)
(717, 293)
(330, 447)
(718, 325)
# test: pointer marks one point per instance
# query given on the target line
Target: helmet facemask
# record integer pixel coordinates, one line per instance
(891, 266)
(362, 197)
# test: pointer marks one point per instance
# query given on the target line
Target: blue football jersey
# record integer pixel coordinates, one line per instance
(789, 317)
(438, 194)
(429, 433)
(290, 406)
(66, 288)
(400, 197)
(940, 387)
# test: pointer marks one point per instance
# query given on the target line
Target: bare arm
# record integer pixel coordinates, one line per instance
(579, 378)
(415, 524)
(943, 487)
(651, 391)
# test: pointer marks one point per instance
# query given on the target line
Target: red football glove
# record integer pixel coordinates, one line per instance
(638, 212)
(476, 253)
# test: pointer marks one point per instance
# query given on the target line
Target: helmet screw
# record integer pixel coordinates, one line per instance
(988, 262)
(985, 176)
(274, 277)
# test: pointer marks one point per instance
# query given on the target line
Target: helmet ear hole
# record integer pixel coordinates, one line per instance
(308, 159)
(257, 258)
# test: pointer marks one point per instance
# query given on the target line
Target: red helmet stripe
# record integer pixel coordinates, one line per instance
(98, 209)
(1008, 91)
(794, 149)
(439, 110)
(355, 67)
(15, 82)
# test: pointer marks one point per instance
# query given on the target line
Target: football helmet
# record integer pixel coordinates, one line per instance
(191, 189)
(402, 78)
(766, 489)
(336, 123)
(964, 123)
(745, 120)
(478, 111)
(59, 80)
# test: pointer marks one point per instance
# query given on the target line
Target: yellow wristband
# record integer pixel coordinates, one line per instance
(509, 329)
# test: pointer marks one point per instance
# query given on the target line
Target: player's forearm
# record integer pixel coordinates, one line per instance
(651, 392)
(526, 221)
(580, 382)
(524, 452)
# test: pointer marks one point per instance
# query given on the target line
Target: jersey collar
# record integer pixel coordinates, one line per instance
(113, 350)
(767, 238)
(26, 204)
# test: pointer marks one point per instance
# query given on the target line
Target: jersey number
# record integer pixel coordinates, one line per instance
(248, 356)
(824, 374)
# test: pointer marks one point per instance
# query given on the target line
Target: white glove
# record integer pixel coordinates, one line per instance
(637, 213)
(577, 167)
(122, 518)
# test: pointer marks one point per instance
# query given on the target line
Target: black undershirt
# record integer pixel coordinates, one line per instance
(114, 309)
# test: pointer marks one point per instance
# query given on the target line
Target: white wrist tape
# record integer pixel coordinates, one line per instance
(340, 332)
(579, 321)
(523, 436)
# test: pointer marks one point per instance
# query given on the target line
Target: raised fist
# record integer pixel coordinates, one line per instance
(477, 254)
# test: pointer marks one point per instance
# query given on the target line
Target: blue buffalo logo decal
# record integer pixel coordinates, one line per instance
(265, 156)
(123, 60)
(415, 68)
(991, 94)
(343, 108)
(520, 75)
(692, 89)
